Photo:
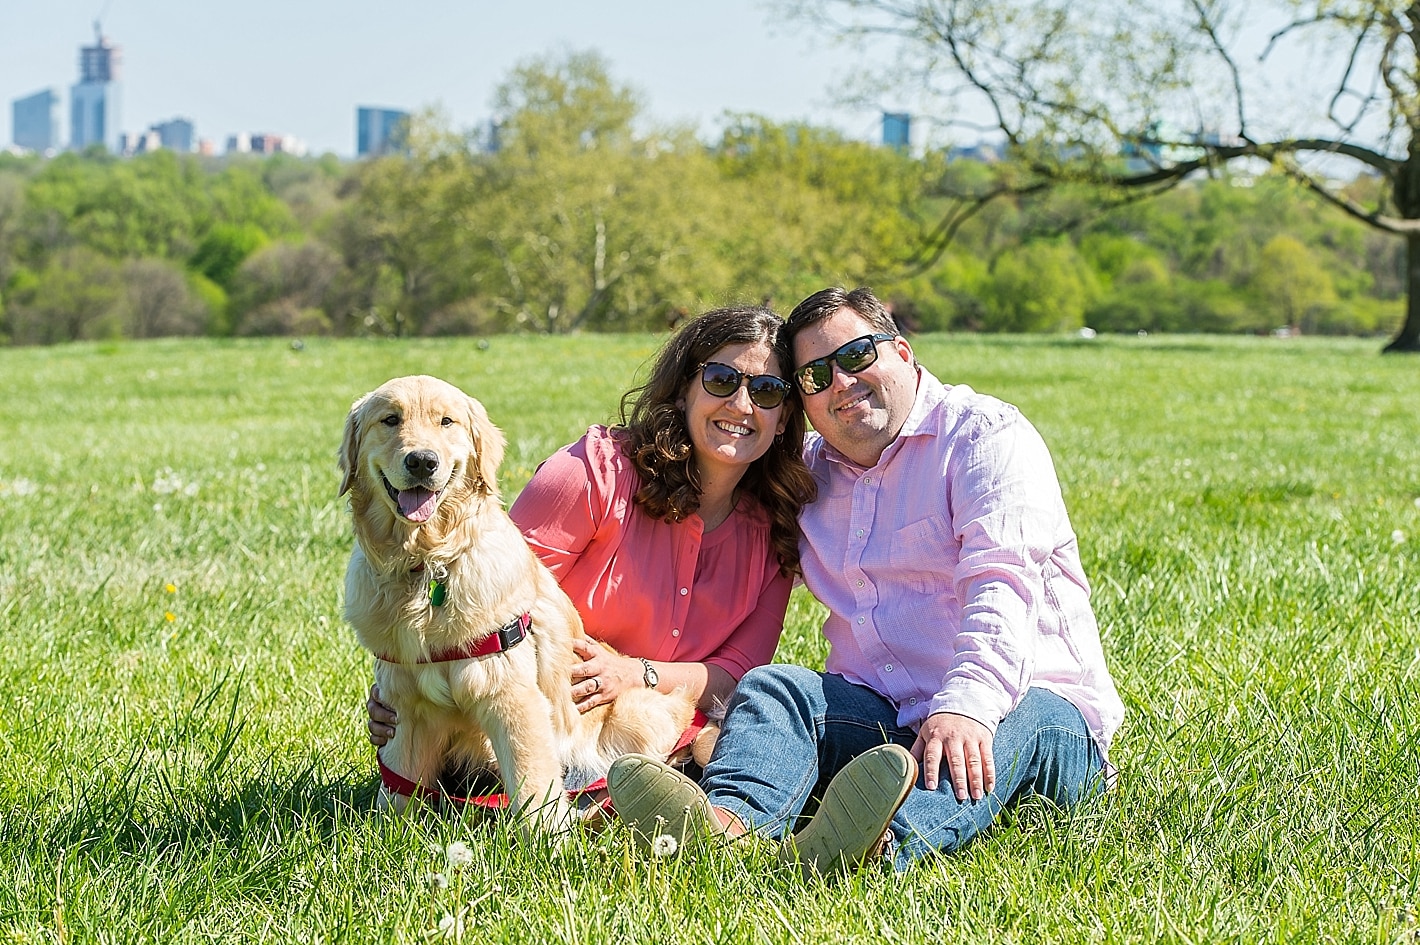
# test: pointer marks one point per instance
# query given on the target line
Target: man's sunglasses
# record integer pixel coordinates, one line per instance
(721, 380)
(857, 355)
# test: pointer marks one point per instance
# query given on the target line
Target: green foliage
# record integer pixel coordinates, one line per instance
(579, 214)
(1040, 287)
(223, 250)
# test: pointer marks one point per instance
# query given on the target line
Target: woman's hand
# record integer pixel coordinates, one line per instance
(602, 675)
(382, 719)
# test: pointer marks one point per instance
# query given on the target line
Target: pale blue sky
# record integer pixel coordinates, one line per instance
(301, 67)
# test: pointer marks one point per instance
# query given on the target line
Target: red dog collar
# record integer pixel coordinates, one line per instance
(504, 638)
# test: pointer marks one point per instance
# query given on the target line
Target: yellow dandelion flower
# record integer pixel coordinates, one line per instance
(170, 588)
(169, 616)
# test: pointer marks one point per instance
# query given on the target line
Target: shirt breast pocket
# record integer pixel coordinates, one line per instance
(923, 555)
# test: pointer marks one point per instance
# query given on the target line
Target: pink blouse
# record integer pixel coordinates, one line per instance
(665, 591)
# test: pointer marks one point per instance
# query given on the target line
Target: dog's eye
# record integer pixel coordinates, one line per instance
(391, 421)
(447, 421)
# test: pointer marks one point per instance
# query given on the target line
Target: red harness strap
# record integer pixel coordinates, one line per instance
(399, 784)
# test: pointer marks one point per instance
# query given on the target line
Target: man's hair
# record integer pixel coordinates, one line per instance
(655, 438)
(824, 303)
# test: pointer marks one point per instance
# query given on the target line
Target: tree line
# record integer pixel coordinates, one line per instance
(575, 214)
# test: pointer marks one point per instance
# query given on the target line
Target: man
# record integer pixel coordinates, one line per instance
(962, 643)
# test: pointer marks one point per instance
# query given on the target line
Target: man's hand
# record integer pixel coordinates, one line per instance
(965, 745)
(382, 719)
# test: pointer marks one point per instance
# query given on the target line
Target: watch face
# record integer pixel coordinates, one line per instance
(651, 676)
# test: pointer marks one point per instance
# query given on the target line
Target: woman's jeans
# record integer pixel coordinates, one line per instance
(789, 730)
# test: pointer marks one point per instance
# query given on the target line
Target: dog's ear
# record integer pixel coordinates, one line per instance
(488, 444)
(350, 446)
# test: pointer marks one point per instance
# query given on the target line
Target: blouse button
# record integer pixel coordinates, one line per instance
(684, 591)
(860, 619)
(675, 632)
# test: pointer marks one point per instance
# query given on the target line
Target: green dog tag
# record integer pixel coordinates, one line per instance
(436, 592)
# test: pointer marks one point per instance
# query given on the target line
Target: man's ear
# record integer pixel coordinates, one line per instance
(349, 456)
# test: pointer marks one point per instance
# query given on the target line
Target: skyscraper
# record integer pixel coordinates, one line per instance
(176, 135)
(380, 131)
(35, 120)
(94, 100)
(897, 130)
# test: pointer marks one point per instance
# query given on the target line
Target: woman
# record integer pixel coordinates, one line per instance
(675, 533)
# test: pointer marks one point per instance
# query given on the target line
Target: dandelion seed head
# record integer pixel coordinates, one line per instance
(439, 880)
(1397, 537)
(458, 854)
(664, 845)
(449, 926)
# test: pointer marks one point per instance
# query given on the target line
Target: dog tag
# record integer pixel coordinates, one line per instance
(436, 592)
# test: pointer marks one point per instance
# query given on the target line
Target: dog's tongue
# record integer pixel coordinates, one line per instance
(416, 504)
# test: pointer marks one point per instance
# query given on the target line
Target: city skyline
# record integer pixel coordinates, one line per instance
(265, 67)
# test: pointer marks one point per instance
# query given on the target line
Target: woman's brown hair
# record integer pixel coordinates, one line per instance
(655, 438)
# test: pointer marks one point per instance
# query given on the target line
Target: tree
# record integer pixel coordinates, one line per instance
(1291, 281)
(160, 300)
(1133, 98)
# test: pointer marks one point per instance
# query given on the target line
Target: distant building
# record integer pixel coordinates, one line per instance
(35, 121)
(176, 134)
(983, 151)
(94, 102)
(244, 142)
(897, 130)
(129, 145)
(380, 131)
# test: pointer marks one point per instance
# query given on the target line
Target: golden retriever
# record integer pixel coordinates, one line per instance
(439, 574)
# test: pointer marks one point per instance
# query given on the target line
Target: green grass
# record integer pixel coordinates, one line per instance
(1249, 513)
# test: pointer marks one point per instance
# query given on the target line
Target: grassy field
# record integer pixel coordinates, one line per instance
(181, 704)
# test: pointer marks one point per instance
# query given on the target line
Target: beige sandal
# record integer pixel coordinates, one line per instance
(666, 809)
(855, 812)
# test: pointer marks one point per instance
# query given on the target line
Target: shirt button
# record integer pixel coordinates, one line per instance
(859, 533)
(860, 619)
(675, 632)
(887, 668)
(867, 480)
(860, 582)
(684, 591)
(912, 701)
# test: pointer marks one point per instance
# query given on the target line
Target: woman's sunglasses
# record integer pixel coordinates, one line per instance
(857, 355)
(721, 380)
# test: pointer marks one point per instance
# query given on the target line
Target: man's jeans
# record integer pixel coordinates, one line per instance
(789, 730)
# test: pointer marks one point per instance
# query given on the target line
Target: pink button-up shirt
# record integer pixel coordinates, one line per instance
(950, 570)
(665, 591)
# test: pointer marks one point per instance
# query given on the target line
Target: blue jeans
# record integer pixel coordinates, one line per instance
(789, 730)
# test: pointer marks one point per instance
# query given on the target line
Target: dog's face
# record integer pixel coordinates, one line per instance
(416, 442)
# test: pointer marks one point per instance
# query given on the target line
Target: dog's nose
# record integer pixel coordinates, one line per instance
(422, 462)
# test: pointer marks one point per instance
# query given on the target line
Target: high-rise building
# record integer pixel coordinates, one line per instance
(94, 113)
(35, 121)
(380, 131)
(176, 135)
(897, 130)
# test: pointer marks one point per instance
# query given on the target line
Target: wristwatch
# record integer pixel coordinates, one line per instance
(650, 677)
